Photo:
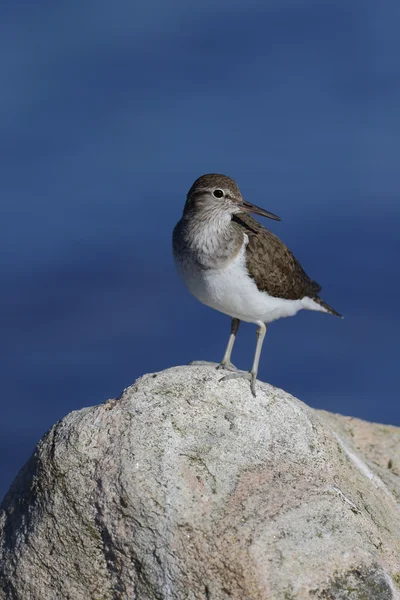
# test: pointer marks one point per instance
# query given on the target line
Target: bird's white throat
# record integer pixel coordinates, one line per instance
(206, 236)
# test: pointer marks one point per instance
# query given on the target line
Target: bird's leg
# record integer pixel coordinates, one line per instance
(226, 361)
(261, 331)
(252, 375)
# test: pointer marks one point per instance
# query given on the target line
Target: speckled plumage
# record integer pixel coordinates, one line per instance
(269, 262)
(231, 263)
(273, 266)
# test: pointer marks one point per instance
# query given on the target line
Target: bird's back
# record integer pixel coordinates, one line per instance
(272, 265)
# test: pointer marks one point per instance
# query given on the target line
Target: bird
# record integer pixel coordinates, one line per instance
(234, 265)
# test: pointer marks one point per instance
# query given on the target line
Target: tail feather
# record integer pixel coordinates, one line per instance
(330, 310)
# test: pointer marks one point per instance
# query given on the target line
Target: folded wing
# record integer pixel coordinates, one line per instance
(271, 264)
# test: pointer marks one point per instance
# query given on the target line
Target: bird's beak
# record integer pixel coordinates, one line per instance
(252, 208)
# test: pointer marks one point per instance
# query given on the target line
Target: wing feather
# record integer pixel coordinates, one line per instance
(272, 265)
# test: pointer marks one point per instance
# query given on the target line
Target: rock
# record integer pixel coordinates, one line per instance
(188, 488)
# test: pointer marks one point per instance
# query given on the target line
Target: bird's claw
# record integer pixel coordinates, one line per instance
(228, 366)
(246, 375)
(206, 363)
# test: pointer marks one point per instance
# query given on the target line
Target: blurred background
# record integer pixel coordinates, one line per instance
(109, 111)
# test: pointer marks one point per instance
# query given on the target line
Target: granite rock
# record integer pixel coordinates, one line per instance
(186, 487)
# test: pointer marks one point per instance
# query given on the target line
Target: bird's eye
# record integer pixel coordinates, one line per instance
(218, 193)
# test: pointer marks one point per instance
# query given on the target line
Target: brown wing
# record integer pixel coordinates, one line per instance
(271, 264)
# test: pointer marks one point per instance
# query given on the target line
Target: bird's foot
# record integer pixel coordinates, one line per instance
(252, 377)
(200, 363)
(228, 366)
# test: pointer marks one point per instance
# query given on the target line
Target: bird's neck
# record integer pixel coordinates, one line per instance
(211, 237)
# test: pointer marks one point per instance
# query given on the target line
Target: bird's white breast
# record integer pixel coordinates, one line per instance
(232, 291)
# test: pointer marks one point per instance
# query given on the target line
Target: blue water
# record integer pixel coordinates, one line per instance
(109, 111)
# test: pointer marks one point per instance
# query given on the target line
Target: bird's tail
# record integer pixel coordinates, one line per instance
(330, 310)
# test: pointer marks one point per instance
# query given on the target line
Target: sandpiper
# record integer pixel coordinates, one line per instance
(231, 263)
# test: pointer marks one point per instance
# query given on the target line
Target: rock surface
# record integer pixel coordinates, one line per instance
(188, 488)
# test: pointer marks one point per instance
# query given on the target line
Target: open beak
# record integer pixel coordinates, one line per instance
(252, 208)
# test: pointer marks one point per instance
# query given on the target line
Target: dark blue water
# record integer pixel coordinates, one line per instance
(109, 111)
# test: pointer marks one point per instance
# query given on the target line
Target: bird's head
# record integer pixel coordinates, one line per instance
(219, 194)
